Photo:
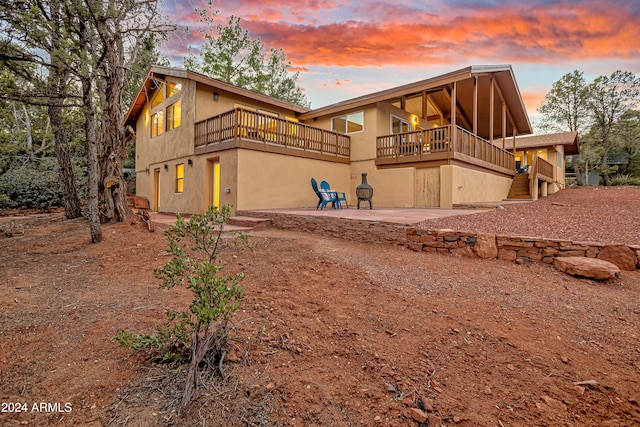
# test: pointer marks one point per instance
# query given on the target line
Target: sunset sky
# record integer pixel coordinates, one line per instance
(347, 50)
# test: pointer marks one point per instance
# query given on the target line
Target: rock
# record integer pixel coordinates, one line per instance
(587, 267)
(270, 386)
(620, 255)
(418, 415)
(427, 404)
(434, 421)
(486, 246)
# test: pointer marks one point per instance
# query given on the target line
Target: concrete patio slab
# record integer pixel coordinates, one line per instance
(404, 216)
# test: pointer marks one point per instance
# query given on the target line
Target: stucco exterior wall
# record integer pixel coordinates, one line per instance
(463, 185)
(268, 180)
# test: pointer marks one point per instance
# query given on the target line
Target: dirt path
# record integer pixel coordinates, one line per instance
(330, 333)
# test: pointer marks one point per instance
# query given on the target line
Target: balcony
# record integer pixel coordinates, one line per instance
(241, 128)
(442, 145)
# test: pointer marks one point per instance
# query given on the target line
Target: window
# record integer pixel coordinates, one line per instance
(399, 125)
(157, 98)
(157, 124)
(174, 115)
(349, 123)
(180, 178)
(559, 159)
(173, 88)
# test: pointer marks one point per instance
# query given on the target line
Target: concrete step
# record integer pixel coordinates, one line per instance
(250, 222)
(162, 221)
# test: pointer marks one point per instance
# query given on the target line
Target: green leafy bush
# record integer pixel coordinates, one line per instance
(200, 331)
(625, 179)
(36, 185)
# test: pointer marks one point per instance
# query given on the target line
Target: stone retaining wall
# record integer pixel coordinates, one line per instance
(518, 249)
(342, 228)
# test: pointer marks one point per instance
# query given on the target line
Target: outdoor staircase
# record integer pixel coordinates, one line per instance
(519, 187)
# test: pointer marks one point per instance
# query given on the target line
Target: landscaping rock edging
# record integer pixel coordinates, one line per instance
(519, 249)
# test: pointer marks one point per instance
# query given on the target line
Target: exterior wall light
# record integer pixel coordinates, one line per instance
(216, 96)
(166, 167)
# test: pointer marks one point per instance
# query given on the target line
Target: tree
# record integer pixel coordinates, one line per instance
(627, 134)
(611, 97)
(566, 108)
(200, 332)
(231, 55)
(25, 47)
(92, 45)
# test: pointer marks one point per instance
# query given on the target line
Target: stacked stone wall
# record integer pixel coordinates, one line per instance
(519, 249)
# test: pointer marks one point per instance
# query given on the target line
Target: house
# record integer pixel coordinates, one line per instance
(434, 143)
(537, 178)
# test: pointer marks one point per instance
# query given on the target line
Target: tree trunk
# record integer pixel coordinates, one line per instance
(576, 170)
(65, 169)
(112, 149)
(57, 83)
(92, 151)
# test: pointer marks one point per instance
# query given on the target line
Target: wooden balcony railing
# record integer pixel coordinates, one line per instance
(439, 143)
(228, 129)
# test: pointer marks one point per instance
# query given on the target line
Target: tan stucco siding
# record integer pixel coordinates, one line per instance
(276, 181)
(391, 187)
(558, 169)
(463, 185)
(207, 106)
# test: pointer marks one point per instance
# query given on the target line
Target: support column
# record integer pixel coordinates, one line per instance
(491, 110)
(454, 102)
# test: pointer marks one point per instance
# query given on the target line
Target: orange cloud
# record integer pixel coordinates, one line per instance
(539, 34)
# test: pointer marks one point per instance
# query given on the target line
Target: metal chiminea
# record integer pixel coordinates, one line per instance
(364, 192)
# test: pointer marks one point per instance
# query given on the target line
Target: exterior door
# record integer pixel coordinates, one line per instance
(213, 172)
(156, 189)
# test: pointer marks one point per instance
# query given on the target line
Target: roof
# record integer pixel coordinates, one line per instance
(503, 75)
(568, 139)
(435, 87)
(158, 72)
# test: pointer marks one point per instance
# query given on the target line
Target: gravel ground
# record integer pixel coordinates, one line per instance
(602, 214)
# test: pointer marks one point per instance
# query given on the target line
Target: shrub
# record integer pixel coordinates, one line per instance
(202, 330)
(625, 179)
(36, 185)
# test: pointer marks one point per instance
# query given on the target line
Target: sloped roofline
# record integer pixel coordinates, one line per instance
(508, 84)
(155, 71)
(568, 139)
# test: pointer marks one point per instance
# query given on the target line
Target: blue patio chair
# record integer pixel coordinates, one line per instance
(325, 197)
(341, 196)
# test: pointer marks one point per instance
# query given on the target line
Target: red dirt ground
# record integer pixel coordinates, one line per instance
(330, 332)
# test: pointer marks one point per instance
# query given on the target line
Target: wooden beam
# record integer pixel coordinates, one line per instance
(475, 105)
(491, 110)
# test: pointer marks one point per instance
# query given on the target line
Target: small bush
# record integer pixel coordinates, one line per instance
(202, 330)
(625, 179)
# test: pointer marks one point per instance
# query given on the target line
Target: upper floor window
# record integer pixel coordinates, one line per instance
(349, 123)
(173, 88)
(174, 112)
(399, 125)
(157, 98)
(157, 123)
